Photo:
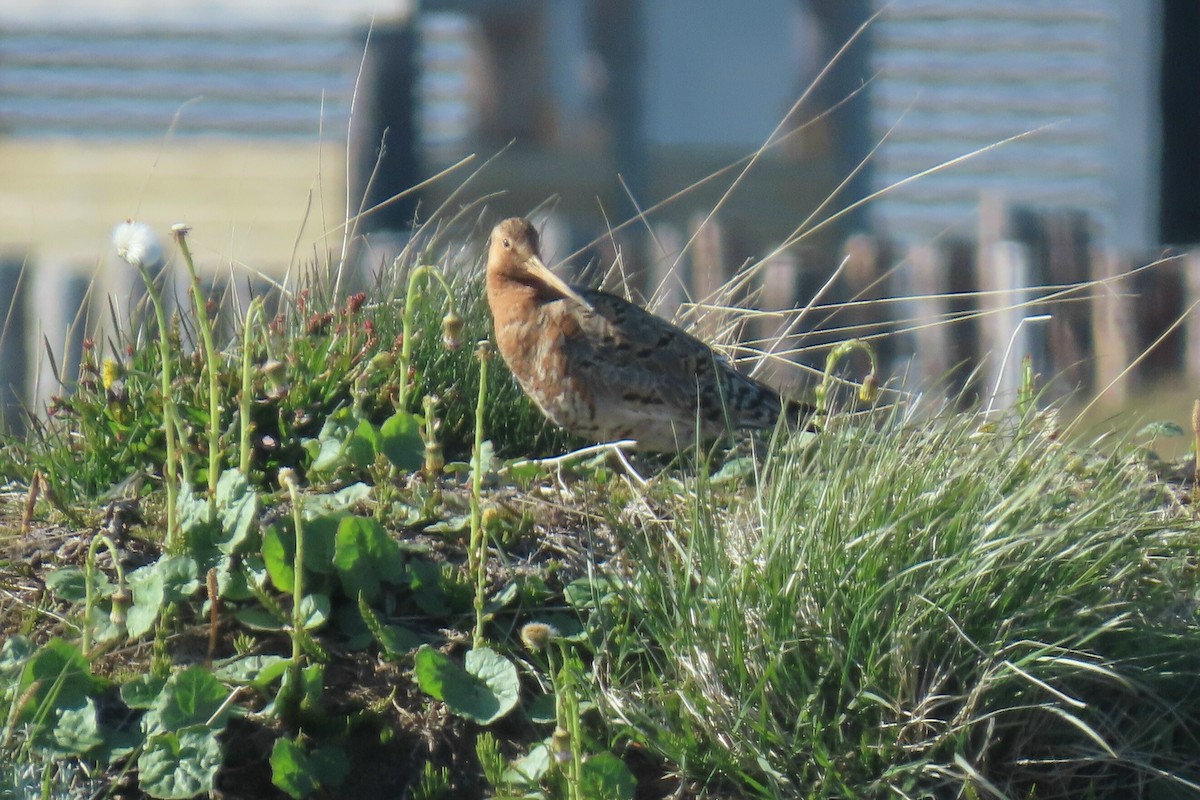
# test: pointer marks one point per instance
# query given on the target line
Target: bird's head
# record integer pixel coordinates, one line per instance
(513, 256)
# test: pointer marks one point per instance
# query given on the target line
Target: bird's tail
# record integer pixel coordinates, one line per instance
(800, 415)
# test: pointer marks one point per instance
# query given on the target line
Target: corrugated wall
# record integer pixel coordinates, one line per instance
(957, 75)
(97, 81)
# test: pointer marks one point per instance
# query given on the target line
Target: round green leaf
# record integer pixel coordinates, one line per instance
(484, 692)
(179, 765)
(605, 777)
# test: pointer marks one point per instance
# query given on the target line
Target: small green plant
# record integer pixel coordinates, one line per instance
(137, 244)
(477, 547)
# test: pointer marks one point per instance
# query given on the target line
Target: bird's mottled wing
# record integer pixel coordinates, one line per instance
(633, 356)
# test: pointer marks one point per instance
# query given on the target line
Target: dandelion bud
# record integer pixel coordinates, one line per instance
(452, 325)
(435, 459)
(490, 517)
(538, 635)
(560, 745)
(274, 371)
(483, 350)
(287, 478)
(110, 372)
(120, 605)
(869, 389)
(381, 362)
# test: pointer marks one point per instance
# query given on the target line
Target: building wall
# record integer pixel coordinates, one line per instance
(1078, 76)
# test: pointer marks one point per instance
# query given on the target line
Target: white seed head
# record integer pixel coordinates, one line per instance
(137, 244)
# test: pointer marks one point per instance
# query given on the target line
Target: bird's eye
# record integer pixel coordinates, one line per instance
(506, 244)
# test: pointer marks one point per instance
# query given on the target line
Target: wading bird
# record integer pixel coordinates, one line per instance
(606, 369)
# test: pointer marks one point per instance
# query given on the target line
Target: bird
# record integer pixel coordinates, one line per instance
(608, 370)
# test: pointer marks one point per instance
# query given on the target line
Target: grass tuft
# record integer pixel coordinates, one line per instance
(902, 611)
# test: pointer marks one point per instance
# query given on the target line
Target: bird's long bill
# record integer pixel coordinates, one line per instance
(542, 273)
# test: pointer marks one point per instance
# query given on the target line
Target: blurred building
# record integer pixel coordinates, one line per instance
(1084, 77)
(236, 118)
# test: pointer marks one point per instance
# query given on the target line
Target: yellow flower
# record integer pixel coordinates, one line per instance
(110, 372)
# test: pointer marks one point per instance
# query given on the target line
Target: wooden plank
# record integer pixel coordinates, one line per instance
(1112, 331)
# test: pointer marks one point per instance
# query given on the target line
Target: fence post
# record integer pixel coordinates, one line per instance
(14, 358)
(780, 278)
(708, 272)
(1191, 347)
(1003, 280)
(665, 285)
(1111, 328)
(928, 270)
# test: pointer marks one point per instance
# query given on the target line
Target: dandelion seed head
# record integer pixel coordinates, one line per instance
(137, 244)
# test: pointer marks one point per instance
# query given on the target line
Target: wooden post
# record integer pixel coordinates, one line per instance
(665, 284)
(1003, 334)
(1191, 347)
(14, 325)
(57, 308)
(861, 277)
(780, 279)
(931, 337)
(708, 272)
(1112, 333)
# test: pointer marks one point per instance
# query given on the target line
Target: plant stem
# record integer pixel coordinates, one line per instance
(477, 550)
(842, 350)
(210, 354)
(289, 480)
(410, 296)
(88, 583)
(290, 694)
(252, 313)
(170, 426)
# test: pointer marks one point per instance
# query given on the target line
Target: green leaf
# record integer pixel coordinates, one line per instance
(190, 697)
(320, 535)
(142, 691)
(400, 441)
(315, 610)
(396, 640)
(76, 730)
(487, 458)
(16, 651)
(735, 470)
(588, 593)
(523, 471)
(191, 508)
(299, 774)
(63, 676)
(69, 586)
(238, 506)
(542, 709)
(291, 770)
(257, 671)
(180, 577)
(257, 618)
(484, 692)
(498, 673)
(366, 557)
(279, 553)
(428, 587)
(175, 766)
(319, 505)
(1162, 429)
(605, 777)
(529, 769)
(169, 580)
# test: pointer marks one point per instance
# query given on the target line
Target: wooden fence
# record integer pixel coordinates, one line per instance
(953, 316)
